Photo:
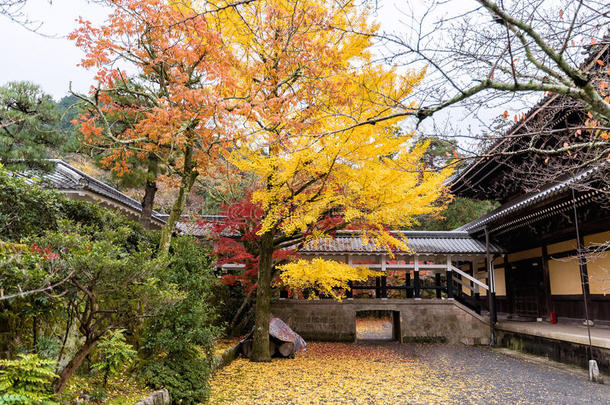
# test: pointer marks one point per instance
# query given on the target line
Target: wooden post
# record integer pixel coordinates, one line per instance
(384, 290)
(584, 274)
(349, 292)
(449, 276)
(416, 277)
(477, 295)
(377, 287)
(408, 283)
(546, 279)
(437, 282)
(509, 287)
(491, 294)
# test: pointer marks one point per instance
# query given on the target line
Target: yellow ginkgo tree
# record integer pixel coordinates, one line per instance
(305, 74)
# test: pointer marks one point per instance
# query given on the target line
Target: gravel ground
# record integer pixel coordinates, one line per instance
(393, 373)
(505, 379)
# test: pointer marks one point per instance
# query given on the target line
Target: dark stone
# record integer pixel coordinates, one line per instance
(424, 339)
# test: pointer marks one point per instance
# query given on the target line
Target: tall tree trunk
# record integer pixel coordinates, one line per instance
(74, 364)
(260, 347)
(189, 174)
(150, 190)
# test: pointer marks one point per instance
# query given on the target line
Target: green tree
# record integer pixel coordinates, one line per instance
(28, 125)
(441, 153)
(68, 109)
(459, 212)
(111, 280)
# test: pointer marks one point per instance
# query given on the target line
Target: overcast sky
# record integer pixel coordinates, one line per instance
(53, 62)
(49, 62)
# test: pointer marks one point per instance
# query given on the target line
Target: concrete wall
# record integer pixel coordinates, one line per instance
(557, 350)
(426, 320)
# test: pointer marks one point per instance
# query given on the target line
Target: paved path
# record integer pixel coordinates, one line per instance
(506, 379)
(391, 373)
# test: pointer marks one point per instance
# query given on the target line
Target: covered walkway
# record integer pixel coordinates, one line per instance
(568, 332)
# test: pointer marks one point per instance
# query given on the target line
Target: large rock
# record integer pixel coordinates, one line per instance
(283, 341)
(160, 397)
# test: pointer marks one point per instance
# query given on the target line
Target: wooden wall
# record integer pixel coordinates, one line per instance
(562, 293)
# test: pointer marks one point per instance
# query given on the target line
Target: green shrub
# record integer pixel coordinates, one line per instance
(177, 346)
(26, 380)
(25, 209)
(115, 282)
(115, 354)
(185, 375)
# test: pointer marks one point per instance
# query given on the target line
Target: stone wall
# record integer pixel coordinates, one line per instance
(557, 350)
(425, 320)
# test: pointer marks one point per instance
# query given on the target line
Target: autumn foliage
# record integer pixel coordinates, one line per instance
(178, 73)
(278, 89)
(306, 78)
(237, 242)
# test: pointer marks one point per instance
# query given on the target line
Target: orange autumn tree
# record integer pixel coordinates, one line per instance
(305, 76)
(177, 74)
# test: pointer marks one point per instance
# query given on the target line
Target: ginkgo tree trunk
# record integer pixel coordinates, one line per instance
(304, 78)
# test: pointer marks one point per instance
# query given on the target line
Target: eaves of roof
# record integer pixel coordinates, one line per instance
(462, 174)
(418, 242)
(515, 207)
(68, 178)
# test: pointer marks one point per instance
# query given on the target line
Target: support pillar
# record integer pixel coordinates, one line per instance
(350, 292)
(510, 297)
(384, 290)
(416, 277)
(437, 282)
(449, 276)
(546, 281)
(377, 287)
(491, 292)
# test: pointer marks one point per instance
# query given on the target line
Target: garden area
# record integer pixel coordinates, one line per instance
(155, 209)
(97, 311)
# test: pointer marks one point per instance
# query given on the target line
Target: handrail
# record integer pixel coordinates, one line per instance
(469, 277)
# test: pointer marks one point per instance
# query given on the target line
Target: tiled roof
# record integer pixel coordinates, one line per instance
(68, 178)
(422, 242)
(201, 227)
(521, 204)
(459, 177)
